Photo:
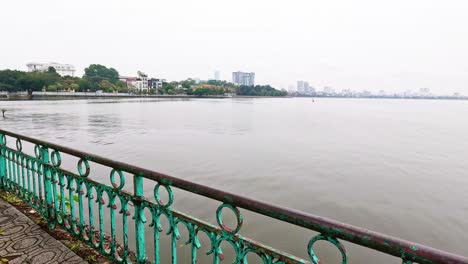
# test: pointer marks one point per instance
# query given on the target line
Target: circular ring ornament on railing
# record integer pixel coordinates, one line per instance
(157, 196)
(334, 241)
(3, 140)
(19, 145)
(38, 151)
(121, 177)
(55, 158)
(219, 218)
(83, 172)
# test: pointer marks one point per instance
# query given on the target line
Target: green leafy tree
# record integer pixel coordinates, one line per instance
(9, 79)
(94, 76)
(101, 71)
(166, 87)
(187, 83)
(97, 77)
(36, 81)
(52, 88)
(259, 90)
(51, 70)
(107, 86)
(202, 91)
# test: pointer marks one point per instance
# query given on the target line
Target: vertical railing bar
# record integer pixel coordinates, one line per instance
(35, 183)
(40, 183)
(18, 175)
(63, 202)
(3, 168)
(101, 219)
(47, 177)
(22, 165)
(157, 253)
(112, 207)
(79, 187)
(53, 184)
(193, 236)
(8, 172)
(19, 167)
(139, 219)
(15, 179)
(125, 214)
(34, 175)
(89, 192)
(73, 222)
(11, 175)
(216, 256)
(28, 175)
(174, 245)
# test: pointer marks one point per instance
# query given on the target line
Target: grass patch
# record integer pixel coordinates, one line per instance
(10, 198)
(75, 246)
(92, 259)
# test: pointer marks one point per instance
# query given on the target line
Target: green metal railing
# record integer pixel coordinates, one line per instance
(69, 199)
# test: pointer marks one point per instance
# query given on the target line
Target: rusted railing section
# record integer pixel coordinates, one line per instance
(61, 197)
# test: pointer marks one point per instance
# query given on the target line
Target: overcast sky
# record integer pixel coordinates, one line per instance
(360, 44)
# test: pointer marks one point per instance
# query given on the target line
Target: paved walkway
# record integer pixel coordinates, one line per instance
(22, 241)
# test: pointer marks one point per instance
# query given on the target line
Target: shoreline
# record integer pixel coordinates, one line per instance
(43, 96)
(37, 96)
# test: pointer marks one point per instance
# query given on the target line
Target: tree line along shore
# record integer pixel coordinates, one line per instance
(99, 78)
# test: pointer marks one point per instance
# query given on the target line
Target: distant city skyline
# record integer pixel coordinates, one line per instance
(248, 78)
(359, 45)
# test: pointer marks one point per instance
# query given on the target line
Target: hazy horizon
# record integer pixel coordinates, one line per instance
(345, 45)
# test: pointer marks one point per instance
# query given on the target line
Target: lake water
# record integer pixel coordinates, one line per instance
(398, 167)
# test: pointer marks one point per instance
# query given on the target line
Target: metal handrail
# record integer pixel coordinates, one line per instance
(409, 251)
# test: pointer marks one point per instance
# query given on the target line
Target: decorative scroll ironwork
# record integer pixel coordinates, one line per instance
(69, 199)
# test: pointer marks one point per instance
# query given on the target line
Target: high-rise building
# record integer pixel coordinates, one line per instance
(62, 69)
(243, 78)
(217, 76)
(303, 87)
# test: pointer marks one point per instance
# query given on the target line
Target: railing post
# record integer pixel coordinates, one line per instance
(47, 177)
(3, 167)
(139, 219)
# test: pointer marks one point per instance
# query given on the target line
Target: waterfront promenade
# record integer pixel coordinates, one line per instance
(23, 241)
